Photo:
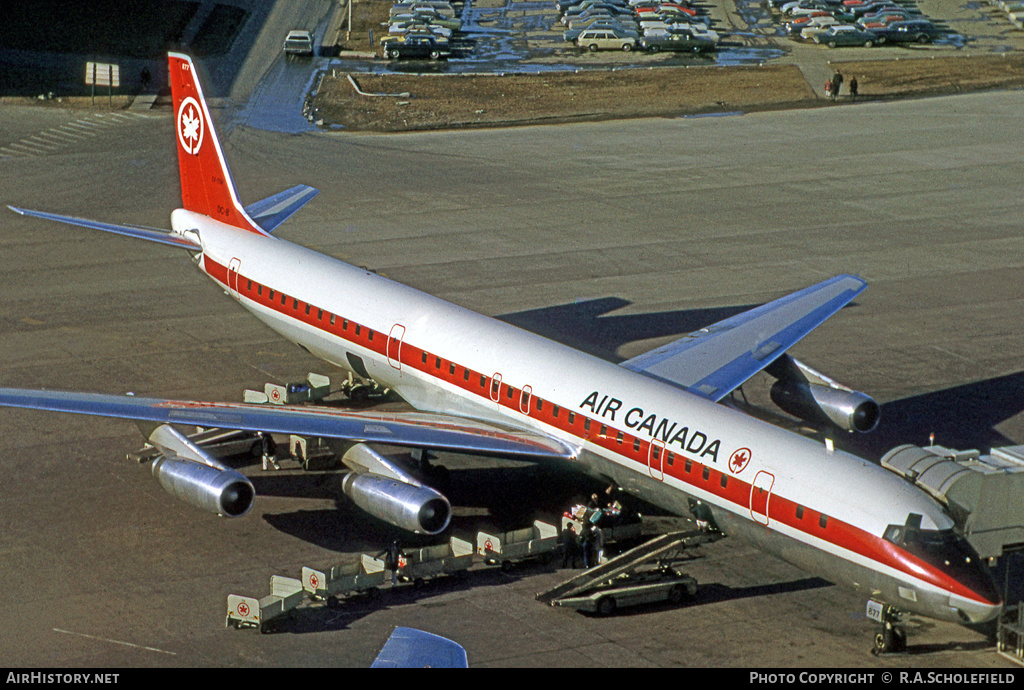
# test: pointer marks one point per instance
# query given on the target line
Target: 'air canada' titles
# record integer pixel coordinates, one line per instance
(659, 428)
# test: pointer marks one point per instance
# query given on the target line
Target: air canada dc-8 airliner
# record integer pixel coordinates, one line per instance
(653, 425)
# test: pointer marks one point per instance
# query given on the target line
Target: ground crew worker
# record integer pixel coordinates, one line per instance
(269, 449)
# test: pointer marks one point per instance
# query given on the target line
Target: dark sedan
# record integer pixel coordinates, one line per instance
(677, 41)
(907, 32)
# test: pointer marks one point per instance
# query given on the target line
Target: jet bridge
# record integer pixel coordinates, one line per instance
(982, 492)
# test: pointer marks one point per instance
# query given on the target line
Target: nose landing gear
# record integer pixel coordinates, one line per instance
(892, 638)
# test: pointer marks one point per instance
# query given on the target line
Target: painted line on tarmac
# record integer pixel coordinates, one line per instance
(126, 644)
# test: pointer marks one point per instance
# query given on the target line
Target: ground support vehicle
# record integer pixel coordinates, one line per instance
(539, 541)
(628, 579)
(417, 565)
(634, 589)
(315, 387)
(349, 578)
(247, 612)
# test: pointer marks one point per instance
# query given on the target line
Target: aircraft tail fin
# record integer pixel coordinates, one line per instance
(206, 183)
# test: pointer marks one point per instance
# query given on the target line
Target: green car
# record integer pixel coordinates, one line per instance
(845, 35)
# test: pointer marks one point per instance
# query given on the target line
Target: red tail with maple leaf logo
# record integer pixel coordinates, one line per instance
(206, 184)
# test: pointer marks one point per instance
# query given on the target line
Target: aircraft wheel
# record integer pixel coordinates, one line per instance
(675, 595)
(507, 566)
(606, 606)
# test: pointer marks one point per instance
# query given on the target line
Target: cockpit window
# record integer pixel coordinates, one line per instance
(946, 551)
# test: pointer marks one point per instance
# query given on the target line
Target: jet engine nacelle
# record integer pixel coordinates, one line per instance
(415, 508)
(224, 492)
(847, 409)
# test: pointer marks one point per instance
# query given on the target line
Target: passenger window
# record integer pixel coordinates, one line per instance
(249, 286)
(424, 358)
(284, 298)
(332, 319)
(799, 512)
(618, 438)
(823, 521)
(636, 445)
(319, 314)
(572, 417)
(706, 473)
(671, 458)
(465, 375)
(725, 480)
(451, 369)
(554, 412)
(586, 424)
(270, 295)
(359, 329)
(259, 289)
(689, 466)
(540, 404)
(437, 362)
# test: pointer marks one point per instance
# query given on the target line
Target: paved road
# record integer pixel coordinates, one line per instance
(672, 221)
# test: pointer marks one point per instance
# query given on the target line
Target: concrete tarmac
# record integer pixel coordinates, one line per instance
(616, 237)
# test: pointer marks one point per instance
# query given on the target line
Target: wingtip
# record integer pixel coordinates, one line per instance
(19, 211)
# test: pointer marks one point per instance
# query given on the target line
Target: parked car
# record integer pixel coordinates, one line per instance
(605, 39)
(571, 35)
(581, 21)
(416, 45)
(578, 10)
(907, 32)
(846, 35)
(412, 27)
(683, 28)
(797, 26)
(677, 41)
(442, 8)
(453, 23)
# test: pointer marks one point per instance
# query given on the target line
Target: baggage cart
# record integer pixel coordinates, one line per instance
(365, 576)
(455, 557)
(248, 612)
(507, 548)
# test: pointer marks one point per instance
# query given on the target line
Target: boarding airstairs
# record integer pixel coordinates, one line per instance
(661, 548)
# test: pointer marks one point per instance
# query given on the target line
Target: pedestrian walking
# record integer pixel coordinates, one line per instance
(837, 84)
(853, 88)
(828, 88)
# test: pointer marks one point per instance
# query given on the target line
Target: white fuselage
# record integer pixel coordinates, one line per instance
(823, 511)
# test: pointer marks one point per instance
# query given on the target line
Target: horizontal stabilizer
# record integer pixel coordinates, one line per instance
(151, 234)
(714, 361)
(276, 209)
(409, 429)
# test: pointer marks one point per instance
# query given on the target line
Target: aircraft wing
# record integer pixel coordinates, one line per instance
(411, 429)
(714, 361)
(411, 648)
(276, 209)
(138, 231)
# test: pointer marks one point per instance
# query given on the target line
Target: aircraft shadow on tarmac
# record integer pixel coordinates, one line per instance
(587, 326)
(962, 417)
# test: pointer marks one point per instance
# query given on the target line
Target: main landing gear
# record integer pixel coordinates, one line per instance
(892, 638)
